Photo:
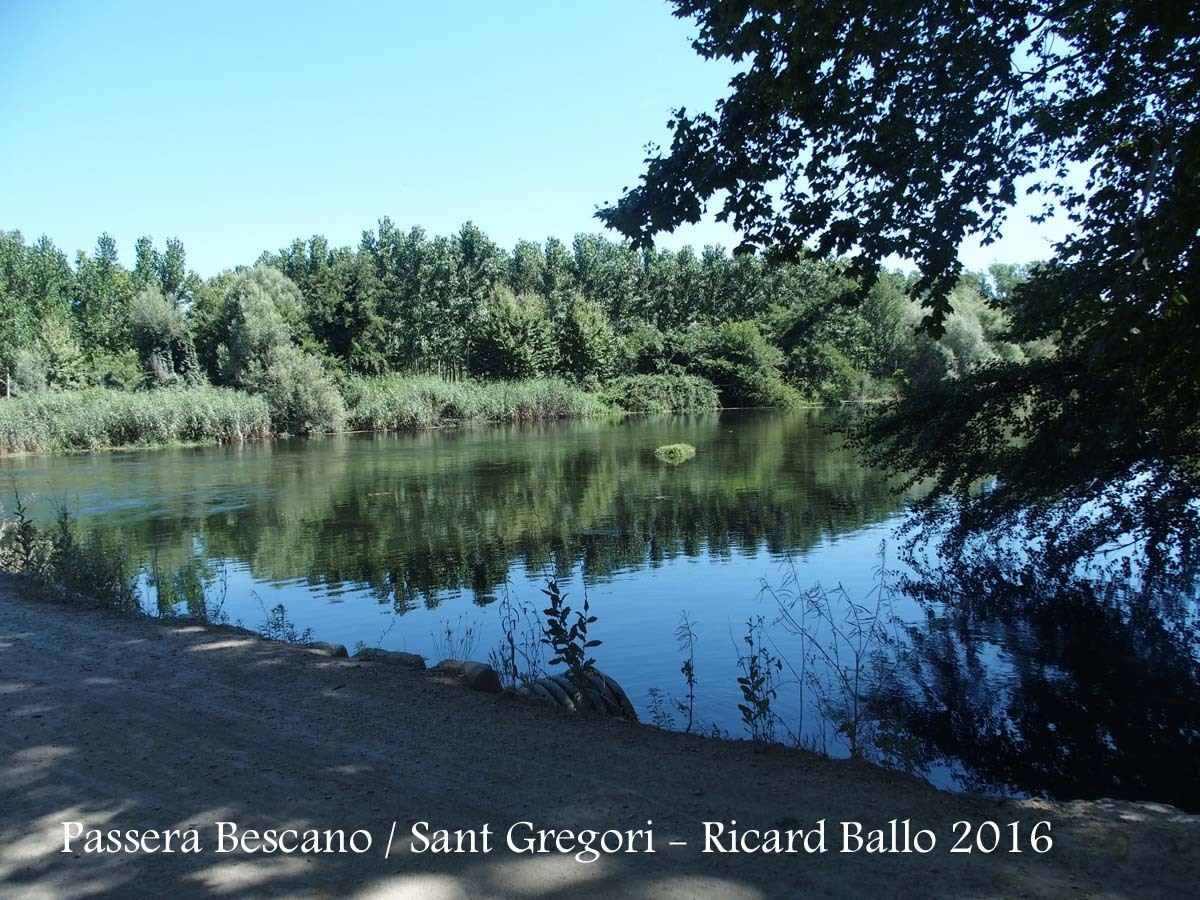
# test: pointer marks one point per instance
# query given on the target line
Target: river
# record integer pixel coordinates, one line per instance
(422, 542)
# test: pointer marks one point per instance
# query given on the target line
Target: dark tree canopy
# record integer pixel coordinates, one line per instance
(864, 129)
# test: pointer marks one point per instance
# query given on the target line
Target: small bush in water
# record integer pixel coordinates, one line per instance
(675, 453)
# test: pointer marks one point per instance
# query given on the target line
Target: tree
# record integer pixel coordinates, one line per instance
(102, 297)
(163, 338)
(17, 315)
(865, 129)
(263, 322)
(513, 337)
(262, 309)
(587, 342)
(739, 360)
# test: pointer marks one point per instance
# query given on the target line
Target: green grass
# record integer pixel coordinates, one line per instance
(98, 418)
(675, 453)
(396, 402)
(662, 394)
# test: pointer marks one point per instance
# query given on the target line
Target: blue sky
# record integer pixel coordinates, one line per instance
(238, 126)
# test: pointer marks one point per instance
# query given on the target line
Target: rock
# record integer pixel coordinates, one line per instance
(478, 676)
(392, 657)
(321, 647)
(482, 677)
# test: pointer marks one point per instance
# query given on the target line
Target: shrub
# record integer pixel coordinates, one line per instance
(643, 348)
(568, 641)
(261, 317)
(675, 453)
(301, 396)
(164, 342)
(740, 361)
(121, 371)
(662, 394)
(53, 359)
(90, 568)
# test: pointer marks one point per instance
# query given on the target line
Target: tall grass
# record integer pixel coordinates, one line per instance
(398, 402)
(99, 418)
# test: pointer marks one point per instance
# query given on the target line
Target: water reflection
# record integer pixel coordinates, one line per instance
(374, 538)
(1067, 694)
(412, 517)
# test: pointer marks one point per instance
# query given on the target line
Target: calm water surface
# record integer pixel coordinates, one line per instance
(390, 540)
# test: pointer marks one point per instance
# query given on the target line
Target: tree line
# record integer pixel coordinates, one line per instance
(312, 314)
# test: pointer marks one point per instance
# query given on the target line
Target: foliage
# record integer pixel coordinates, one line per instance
(277, 626)
(513, 338)
(518, 658)
(162, 337)
(742, 364)
(661, 394)
(455, 640)
(587, 343)
(759, 684)
(421, 313)
(260, 313)
(23, 546)
(867, 130)
(399, 402)
(662, 714)
(261, 317)
(686, 636)
(299, 393)
(92, 569)
(643, 348)
(568, 640)
(850, 652)
(675, 453)
(97, 418)
(120, 370)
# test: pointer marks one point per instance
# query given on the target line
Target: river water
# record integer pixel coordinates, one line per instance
(422, 542)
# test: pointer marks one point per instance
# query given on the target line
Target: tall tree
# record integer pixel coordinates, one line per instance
(103, 292)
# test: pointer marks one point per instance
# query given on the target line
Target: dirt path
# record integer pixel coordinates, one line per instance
(136, 724)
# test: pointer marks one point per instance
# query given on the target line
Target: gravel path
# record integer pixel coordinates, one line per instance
(122, 723)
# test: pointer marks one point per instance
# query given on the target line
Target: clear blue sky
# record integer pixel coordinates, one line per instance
(238, 126)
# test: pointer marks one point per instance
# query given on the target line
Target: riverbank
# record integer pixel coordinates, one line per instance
(106, 419)
(124, 722)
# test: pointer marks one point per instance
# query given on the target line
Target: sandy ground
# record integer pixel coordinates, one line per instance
(125, 723)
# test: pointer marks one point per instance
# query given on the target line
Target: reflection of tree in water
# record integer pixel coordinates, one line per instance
(1057, 692)
(414, 516)
(1067, 694)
